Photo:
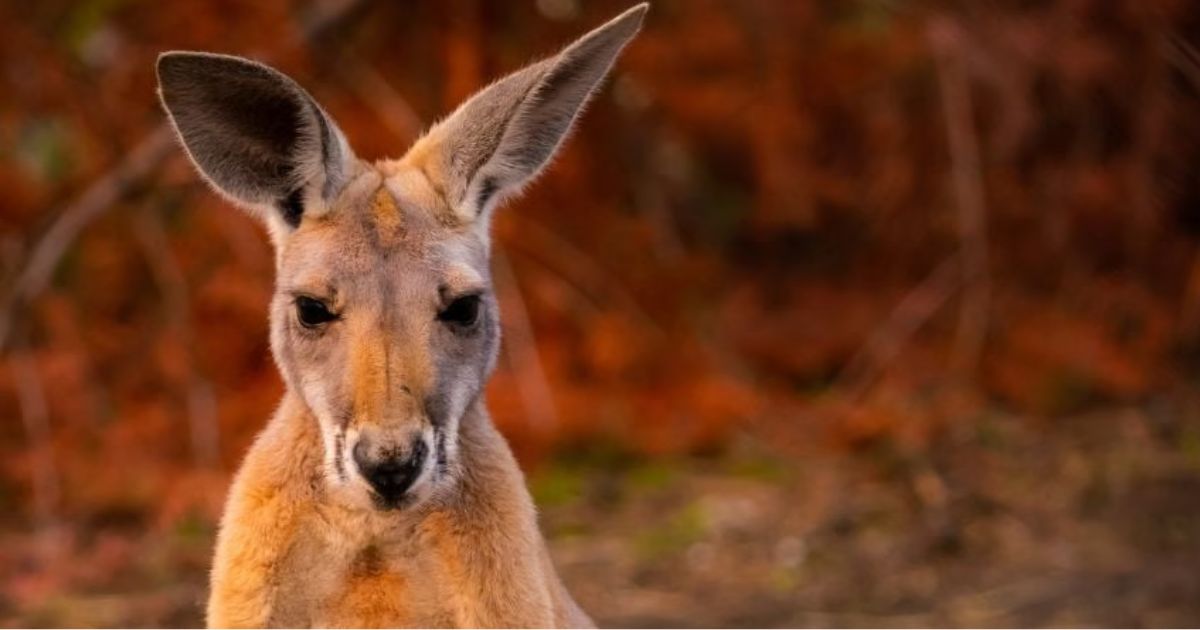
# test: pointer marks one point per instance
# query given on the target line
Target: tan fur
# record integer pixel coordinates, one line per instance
(389, 225)
(380, 494)
(475, 561)
(294, 551)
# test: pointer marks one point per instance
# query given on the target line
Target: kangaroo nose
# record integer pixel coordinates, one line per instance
(392, 475)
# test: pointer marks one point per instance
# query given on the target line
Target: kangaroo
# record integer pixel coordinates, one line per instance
(380, 493)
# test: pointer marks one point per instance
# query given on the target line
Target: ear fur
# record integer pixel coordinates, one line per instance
(255, 135)
(501, 138)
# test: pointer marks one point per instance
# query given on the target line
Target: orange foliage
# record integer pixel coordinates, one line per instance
(740, 211)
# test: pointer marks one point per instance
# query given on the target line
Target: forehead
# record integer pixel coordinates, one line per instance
(385, 224)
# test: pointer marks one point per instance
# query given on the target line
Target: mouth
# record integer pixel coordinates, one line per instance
(391, 503)
(385, 501)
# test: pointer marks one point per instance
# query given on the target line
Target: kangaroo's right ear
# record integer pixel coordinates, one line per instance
(254, 134)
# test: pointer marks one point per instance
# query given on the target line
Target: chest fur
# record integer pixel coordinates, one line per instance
(368, 581)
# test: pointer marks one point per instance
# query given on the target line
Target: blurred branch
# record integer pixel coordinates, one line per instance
(147, 155)
(520, 346)
(35, 418)
(947, 39)
(576, 266)
(201, 404)
(886, 342)
(70, 221)
(1189, 319)
(321, 17)
(1185, 58)
(1149, 127)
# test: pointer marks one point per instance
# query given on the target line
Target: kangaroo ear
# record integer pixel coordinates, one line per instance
(254, 134)
(499, 139)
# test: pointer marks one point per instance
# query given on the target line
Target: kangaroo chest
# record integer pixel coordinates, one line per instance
(367, 581)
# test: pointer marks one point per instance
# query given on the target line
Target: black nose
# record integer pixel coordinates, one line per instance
(390, 476)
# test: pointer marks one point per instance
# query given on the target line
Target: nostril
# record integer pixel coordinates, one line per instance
(391, 476)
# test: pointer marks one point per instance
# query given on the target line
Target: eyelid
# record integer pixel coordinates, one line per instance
(328, 300)
(449, 298)
(327, 303)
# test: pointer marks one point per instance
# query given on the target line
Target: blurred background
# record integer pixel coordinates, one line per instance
(839, 313)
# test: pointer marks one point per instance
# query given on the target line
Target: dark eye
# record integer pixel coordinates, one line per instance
(313, 313)
(463, 311)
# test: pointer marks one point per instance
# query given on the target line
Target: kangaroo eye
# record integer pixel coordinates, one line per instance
(312, 313)
(463, 311)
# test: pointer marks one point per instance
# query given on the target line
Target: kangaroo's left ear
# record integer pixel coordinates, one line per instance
(254, 134)
(499, 139)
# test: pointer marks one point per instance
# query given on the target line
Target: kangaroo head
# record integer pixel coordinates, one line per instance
(383, 321)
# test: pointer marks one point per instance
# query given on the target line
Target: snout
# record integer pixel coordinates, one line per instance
(390, 472)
